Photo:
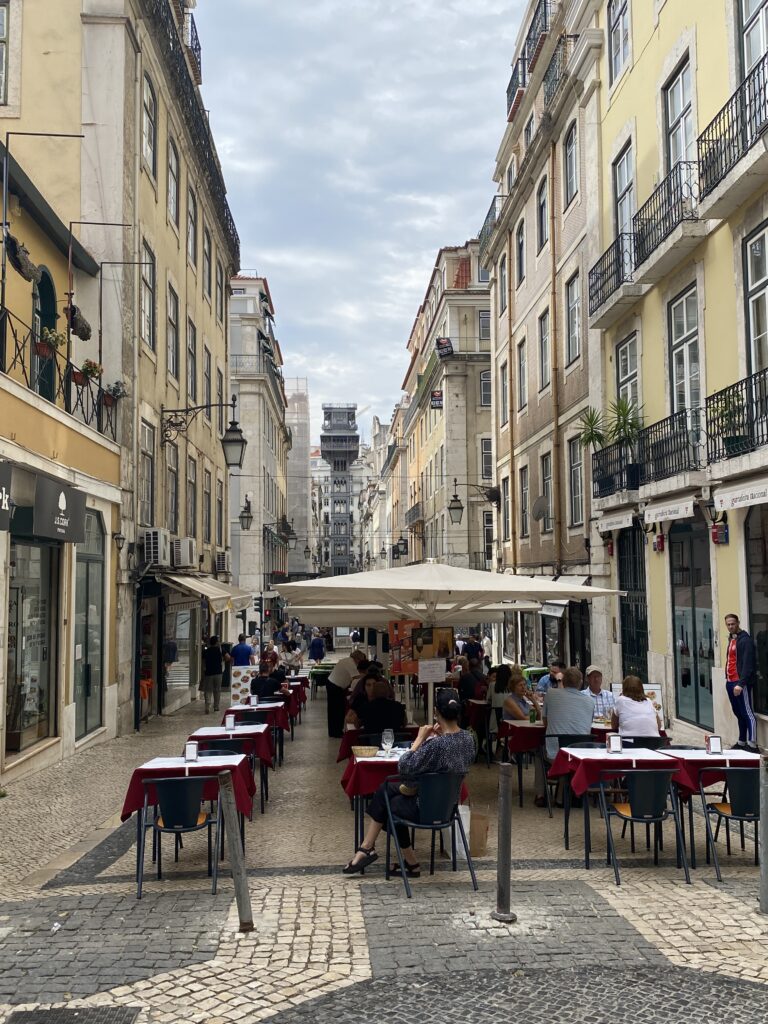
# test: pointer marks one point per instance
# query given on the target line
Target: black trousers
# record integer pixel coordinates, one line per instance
(337, 709)
(402, 807)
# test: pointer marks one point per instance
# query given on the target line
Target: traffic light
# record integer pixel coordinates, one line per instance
(267, 613)
(257, 603)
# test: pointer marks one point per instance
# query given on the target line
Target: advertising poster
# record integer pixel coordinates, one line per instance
(433, 642)
(401, 646)
(241, 682)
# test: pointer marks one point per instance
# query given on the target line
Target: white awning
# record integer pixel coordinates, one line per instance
(618, 521)
(664, 511)
(220, 596)
(750, 492)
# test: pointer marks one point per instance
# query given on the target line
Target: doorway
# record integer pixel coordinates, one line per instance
(44, 374)
(89, 628)
(633, 605)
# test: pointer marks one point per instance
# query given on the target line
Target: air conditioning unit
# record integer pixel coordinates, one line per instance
(157, 547)
(223, 563)
(185, 553)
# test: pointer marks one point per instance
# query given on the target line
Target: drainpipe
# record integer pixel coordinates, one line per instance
(135, 403)
(554, 358)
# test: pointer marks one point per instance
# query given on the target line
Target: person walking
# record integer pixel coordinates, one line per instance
(214, 660)
(487, 650)
(316, 647)
(242, 653)
(740, 680)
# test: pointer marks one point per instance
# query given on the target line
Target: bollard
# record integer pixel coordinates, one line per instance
(763, 846)
(504, 848)
(236, 854)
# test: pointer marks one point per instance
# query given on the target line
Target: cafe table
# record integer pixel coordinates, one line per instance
(257, 742)
(277, 717)
(361, 778)
(351, 739)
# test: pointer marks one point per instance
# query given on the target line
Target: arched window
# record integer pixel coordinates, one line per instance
(149, 126)
(570, 165)
(485, 387)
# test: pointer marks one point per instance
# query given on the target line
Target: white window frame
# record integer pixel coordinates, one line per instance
(148, 296)
(484, 325)
(486, 458)
(486, 388)
(506, 531)
(173, 181)
(149, 124)
(627, 381)
(503, 394)
(571, 164)
(572, 319)
(680, 131)
(754, 25)
(545, 362)
(576, 481)
(618, 37)
(542, 215)
(547, 522)
(520, 252)
(522, 374)
(502, 284)
(524, 486)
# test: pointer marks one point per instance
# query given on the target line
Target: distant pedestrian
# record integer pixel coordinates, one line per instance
(242, 653)
(740, 681)
(316, 647)
(214, 660)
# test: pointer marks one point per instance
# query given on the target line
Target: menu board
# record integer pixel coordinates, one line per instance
(433, 642)
(401, 646)
(241, 682)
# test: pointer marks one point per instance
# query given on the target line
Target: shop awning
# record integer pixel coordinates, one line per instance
(616, 521)
(743, 495)
(220, 596)
(556, 609)
(665, 511)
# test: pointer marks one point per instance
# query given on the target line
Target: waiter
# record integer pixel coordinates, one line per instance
(339, 682)
(740, 681)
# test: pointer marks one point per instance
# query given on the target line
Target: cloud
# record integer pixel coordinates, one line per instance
(357, 137)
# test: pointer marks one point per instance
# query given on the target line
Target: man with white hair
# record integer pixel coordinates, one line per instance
(604, 700)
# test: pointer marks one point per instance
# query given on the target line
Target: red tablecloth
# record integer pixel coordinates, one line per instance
(277, 714)
(362, 778)
(242, 779)
(586, 772)
(521, 739)
(476, 712)
(299, 688)
(689, 770)
(352, 737)
(260, 744)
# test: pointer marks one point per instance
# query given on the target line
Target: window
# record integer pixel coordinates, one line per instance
(542, 217)
(484, 324)
(684, 341)
(570, 165)
(207, 262)
(191, 227)
(487, 537)
(191, 497)
(624, 190)
(511, 174)
(172, 488)
(220, 401)
(573, 320)
(520, 251)
(524, 497)
(485, 387)
(207, 383)
(545, 372)
(757, 298)
(219, 291)
(546, 490)
(626, 369)
(483, 274)
(148, 296)
(146, 474)
(219, 513)
(502, 284)
(618, 36)
(681, 139)
(522, 375)
(486, 452)
(172, 333)
(173, 182)
(576, 481)
(4, 52)
(505, 524)
(503, 395)
(206, 506)
(754, 16)
(530, 129)
(149, 127)
(191, 360)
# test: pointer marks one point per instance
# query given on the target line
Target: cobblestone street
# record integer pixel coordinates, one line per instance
(326, 947)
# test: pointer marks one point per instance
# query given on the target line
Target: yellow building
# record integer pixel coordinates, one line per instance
(678, 288)
(60, 503)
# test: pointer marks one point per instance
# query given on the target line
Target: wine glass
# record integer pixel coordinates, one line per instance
(387, 741)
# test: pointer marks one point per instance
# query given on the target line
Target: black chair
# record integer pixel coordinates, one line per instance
(220, 751)
(177, 812)
(438, 802)
(254, 717)
(646, 742)
(742, 805)
(647, 796)
(235, 746)
(564, 739)
(484, 735)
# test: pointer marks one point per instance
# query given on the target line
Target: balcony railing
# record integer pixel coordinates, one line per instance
(49, 374)
(414, 514)
(671, 446)
(537, 33)
(735, 129)
(554, 76)
(737, 418)
(195, 50)
(674, 201)
(516, 88)
(491, 218)
(614, 268)
(614, 468)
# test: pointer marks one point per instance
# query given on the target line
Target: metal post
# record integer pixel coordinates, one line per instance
(236, 855)
(504, 848)
(763, 833)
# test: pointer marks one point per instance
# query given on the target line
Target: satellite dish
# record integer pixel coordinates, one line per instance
(540, 508)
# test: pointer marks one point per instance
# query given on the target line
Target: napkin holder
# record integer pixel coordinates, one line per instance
(191, 751)
(613, 744)
(229, 723)
(253, 700)
(714, 744)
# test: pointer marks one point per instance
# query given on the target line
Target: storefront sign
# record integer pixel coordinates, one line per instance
(663, 513)
(444, 347)
(59, 511)
(436, 400)
(5, 495)
(754, 492)
(621, 521)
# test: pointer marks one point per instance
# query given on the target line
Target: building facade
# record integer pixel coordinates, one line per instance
(299, 485)
(340, 447)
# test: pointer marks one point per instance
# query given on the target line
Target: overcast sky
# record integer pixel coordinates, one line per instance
(357, 137)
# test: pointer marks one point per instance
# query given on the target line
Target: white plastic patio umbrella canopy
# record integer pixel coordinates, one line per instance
(378, 615)
(430, 591)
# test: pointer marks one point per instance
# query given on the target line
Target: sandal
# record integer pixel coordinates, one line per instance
(412, 870)
(354, 868)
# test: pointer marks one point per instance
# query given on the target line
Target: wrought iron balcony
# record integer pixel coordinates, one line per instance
(737, 418)
(554, 76)
(24, 357)
(489, 224)
(414, 514)
(671, 446)
(516, 88)
(674, 201)
(735, 129)
(537, 33)
(614, 268)
(614, 468)
(195, 50)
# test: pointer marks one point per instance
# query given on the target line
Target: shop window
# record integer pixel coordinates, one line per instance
(756, 538)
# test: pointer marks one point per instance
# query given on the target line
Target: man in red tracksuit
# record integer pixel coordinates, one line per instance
(739, 681)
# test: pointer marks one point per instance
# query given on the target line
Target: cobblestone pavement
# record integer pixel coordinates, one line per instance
(72, 933)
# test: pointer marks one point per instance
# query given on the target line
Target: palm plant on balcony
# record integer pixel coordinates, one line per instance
(625, 425)
(593, 432)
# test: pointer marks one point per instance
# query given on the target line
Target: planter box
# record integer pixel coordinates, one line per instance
(43, 350)
(80, 378)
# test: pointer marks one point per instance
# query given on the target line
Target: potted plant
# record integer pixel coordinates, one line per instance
(90, 370)
(114, 391)
(729, 420)
(594, 435)
(624, 429)
(48, 342)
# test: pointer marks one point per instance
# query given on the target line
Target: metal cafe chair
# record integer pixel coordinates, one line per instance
(742, 805)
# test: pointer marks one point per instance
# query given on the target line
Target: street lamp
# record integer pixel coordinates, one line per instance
(307, 552)
(246, 515)
(292, 538)
(455, 506)
(176, 421)
(383, 552)
(402, 545)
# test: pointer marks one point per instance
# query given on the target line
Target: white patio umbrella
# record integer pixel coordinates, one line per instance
(379, 615)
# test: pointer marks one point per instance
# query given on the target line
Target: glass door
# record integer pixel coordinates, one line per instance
(692, 620)
(633, 609)
(89, 628)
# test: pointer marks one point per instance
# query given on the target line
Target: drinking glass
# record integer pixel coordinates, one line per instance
(387, 740)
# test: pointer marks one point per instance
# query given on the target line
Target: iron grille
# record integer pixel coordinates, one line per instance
(614, 268)
(674, 201)
(737, 418)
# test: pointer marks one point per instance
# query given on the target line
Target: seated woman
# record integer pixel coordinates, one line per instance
(498, 688)
(361, 696)
(381, 711)
(443, 747)
(634, 714)
(517, 707)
